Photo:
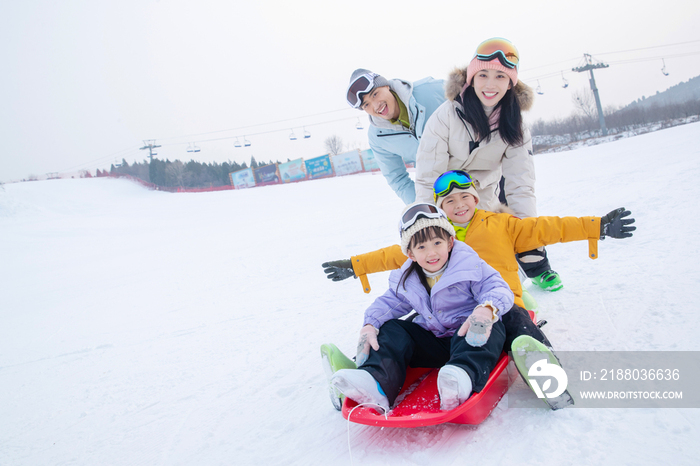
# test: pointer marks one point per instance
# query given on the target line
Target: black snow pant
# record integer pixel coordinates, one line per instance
(403, 344)
(517, 322)
(534, 263)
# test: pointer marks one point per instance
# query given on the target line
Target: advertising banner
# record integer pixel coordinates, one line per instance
(267, 174)
(369, 160)
(319, 167)
(292, 171)
(347, 163)
(242, 179)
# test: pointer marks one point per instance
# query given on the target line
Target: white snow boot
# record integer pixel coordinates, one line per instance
(454, 387)
(360, 386)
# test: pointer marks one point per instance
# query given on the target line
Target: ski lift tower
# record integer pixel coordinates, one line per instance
(150, 145)
(590, 66)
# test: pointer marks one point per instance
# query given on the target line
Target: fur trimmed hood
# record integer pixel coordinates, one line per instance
(456, 79)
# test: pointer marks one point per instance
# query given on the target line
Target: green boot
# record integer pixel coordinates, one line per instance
(333, 360)
(548, 281)
(530, 355)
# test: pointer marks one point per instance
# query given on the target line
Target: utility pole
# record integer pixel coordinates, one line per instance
(590, 66)
(150, 145)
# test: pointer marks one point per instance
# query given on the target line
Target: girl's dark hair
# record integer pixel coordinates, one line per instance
(422, 236)
(510, 122)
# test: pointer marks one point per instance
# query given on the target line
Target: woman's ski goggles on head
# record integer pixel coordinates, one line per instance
(362, 85)
(417, 211)
(449, 180)
(499, 48)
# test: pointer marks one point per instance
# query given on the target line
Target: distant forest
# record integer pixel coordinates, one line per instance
(175, 174)
(679, 101)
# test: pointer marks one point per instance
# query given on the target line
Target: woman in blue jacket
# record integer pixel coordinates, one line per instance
(459, 300)
(398, 111)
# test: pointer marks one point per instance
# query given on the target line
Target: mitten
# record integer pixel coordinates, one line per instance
(478, 325)
(338, 270)
(368, 338)
(614, 224)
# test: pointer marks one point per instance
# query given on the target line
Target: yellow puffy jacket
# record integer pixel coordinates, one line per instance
(497, 237)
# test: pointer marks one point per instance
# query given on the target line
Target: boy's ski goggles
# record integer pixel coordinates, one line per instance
(362, 85)
(499, 48)
(449, 180)
(417, 211)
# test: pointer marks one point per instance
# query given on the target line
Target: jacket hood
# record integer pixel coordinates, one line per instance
(456, 79)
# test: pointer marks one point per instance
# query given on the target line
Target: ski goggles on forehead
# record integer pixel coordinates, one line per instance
(417, 211)
(362, 85)
(502, 49)
(450, 180)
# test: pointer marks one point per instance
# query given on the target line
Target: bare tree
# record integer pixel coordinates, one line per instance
(585, 103)
(334, 144)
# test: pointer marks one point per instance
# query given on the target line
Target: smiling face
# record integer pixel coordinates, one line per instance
(490, 86)
(381, 103)
(459, 206)
(432, 254)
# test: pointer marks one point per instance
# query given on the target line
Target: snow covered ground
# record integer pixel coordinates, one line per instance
(146, 328)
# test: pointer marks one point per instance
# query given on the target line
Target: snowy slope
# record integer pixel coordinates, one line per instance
(142, 327)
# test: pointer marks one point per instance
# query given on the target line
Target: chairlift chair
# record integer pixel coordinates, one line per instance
(292, 137)
(246, 142)
(539, 88)
(359, 124)
(307, 135)
(663, 70)
(237, 143)
(566, 83)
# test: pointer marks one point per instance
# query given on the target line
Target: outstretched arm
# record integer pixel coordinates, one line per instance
(359, 266)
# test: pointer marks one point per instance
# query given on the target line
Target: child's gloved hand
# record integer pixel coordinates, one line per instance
(368, 338)
(478, 325)
(338, 270)
(614, 224)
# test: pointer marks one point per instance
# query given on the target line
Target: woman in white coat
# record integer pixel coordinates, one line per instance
(479, 129)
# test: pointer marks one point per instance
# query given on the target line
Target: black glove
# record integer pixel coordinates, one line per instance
(338, 270)
(614, 224)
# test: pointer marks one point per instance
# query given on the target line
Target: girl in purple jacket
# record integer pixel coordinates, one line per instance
(458, 299)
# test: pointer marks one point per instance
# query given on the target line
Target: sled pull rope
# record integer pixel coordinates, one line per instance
(350, 414)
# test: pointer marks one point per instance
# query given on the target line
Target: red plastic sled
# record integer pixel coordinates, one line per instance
(418, 403)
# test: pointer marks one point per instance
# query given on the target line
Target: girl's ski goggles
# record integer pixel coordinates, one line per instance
(499, 48)
(449, 180)
(362, 85)
(417, 211)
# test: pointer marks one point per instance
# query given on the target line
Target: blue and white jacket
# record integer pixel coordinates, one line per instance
(466, 282)
(395, 145)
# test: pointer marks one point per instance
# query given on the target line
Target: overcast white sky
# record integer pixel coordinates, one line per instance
(85, 82)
